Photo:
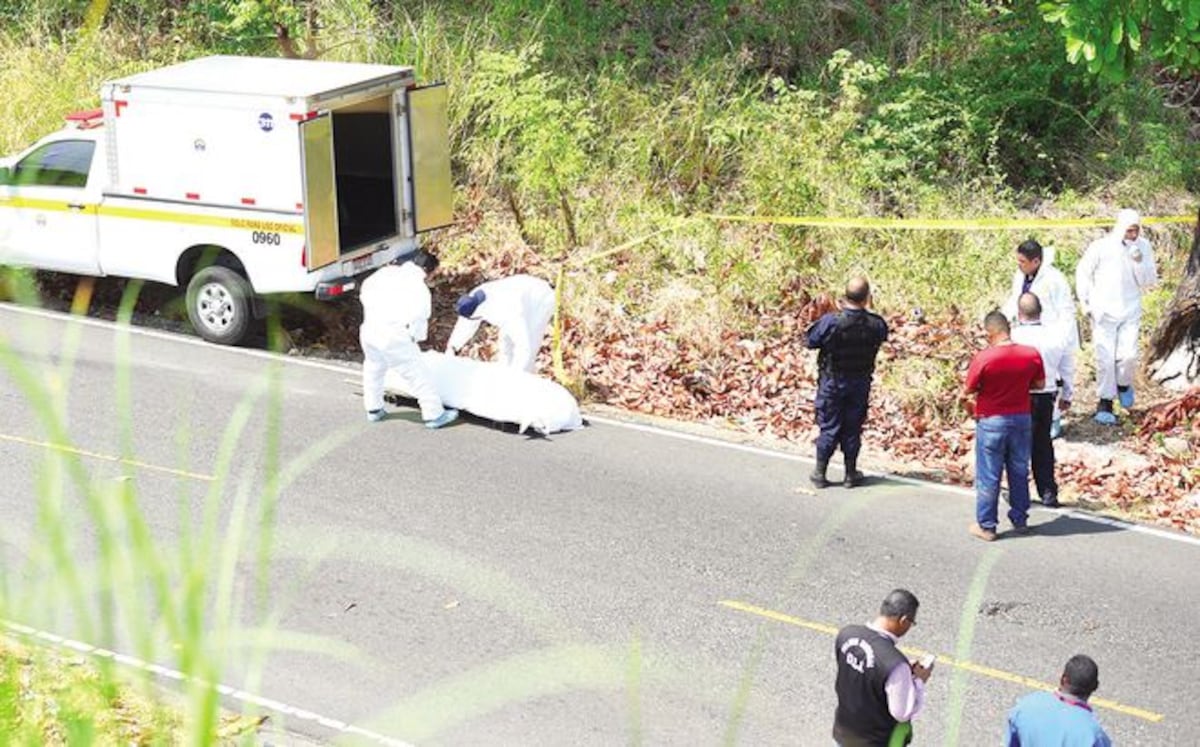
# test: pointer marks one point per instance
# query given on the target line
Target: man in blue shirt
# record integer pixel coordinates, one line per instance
(1062, 718)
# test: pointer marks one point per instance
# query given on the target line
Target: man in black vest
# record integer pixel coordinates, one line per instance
(877, 687)
(849, 340)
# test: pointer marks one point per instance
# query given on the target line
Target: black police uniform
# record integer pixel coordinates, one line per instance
(848, 341)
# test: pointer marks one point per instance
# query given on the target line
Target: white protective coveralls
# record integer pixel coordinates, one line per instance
(396, 309)
(521, 307)
(1110, 280)
(1058, 313)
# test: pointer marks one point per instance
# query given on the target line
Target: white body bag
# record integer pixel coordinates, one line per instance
(497, 392)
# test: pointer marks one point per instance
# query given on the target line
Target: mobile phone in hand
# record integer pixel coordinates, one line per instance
(928, 660)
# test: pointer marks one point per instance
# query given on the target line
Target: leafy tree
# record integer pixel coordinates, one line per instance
(1109, 36)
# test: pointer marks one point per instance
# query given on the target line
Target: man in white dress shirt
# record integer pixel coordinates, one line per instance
(1048, 341)
(1037, 274)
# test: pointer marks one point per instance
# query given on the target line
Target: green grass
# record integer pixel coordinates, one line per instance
(49, 698)
(92, 558)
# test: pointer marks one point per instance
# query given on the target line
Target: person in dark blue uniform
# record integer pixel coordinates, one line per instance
(848, 341)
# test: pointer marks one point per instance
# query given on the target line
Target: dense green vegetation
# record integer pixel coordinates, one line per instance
(582, 125)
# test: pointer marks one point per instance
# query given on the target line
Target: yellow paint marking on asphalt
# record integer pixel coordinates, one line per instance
(998, 674)
(105, 457)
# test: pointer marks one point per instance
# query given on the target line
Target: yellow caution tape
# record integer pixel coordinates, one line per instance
(556, 339)
(619, 248)
(815, 221)
(82, 300)
(936, 224)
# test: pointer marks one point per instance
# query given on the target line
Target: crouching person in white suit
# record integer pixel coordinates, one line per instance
(396, 309)
(520, 306)
(1110, 279)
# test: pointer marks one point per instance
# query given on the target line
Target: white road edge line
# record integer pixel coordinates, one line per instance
(46, 637)
(952, 489)
(655, 430)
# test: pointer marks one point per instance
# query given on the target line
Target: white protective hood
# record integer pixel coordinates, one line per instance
(1125, 219)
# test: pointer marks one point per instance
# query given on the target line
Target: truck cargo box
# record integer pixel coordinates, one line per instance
(332, 141)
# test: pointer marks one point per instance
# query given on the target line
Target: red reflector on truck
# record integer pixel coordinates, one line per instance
(192, 196)
(304, 256)
(86, 120)
(303, 117)
(118, 106)
(248, 201)
(139, 190)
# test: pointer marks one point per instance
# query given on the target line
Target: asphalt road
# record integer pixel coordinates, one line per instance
(614, 585)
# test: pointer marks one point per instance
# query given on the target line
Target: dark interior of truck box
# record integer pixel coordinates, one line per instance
(366, 191)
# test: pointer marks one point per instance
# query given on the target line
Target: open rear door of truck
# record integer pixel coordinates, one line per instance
(429, 154)
(320, 192)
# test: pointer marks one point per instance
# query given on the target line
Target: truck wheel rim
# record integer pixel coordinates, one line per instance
(215, 306)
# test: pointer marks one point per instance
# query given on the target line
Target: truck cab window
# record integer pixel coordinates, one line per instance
(65, 163)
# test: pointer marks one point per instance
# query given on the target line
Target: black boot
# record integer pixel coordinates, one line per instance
(853, 477)
(818, 474)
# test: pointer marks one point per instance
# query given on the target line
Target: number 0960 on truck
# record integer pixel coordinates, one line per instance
(235, 177)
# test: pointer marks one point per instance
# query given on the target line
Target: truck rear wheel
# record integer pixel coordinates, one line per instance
(219, 305)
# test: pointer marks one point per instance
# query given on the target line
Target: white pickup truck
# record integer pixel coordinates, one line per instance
(235, 177)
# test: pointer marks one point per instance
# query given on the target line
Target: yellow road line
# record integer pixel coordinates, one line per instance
(998, 674)
(105, 457)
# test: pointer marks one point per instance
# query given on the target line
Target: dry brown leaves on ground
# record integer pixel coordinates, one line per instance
(765, 382)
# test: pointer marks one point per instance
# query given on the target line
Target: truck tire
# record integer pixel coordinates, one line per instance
(219, 305)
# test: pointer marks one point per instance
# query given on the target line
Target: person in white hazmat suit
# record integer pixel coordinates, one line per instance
(1037, 274)
(520, 306)
(1110, 279)
(396, 310)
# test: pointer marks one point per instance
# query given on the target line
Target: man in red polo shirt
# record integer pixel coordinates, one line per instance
(998, 384)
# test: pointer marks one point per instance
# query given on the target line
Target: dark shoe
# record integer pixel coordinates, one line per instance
(853, 477)
(818, 475)
(987, 535)
(1022, 529)
(1050, 501)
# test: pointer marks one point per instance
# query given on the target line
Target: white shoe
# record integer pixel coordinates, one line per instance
(374, 416)
(447, 417)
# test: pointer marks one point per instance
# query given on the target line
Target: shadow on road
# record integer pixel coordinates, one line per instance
(413, 415)
(1065, 526)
